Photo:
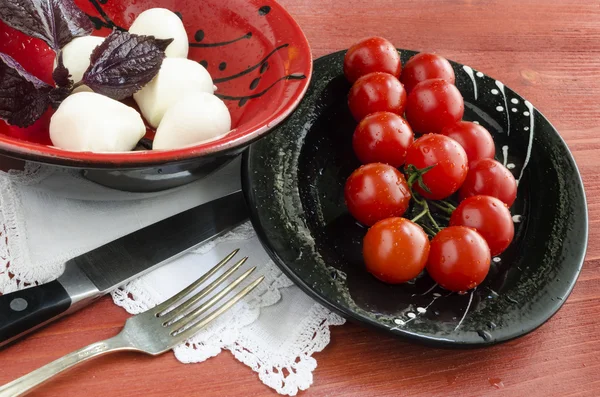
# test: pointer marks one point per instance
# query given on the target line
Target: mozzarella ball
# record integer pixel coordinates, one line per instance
(176, 77)
(196, 118)
(76, 57)
(163, 24)
(87, 121)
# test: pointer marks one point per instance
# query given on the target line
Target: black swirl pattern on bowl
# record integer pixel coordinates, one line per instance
(103, 20)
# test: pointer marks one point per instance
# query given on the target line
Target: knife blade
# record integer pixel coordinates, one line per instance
(99, 271)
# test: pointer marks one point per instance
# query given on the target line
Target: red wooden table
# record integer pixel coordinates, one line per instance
(549, 52)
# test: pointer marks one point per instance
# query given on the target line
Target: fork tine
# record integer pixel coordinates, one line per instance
(194, 314)
(181, 308)
(161, 309)
(191, 331)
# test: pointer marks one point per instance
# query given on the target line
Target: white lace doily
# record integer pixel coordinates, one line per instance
(275, 330)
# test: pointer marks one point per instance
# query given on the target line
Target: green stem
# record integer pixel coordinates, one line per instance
(448, 204)
(428, 230)
(420, 215)
(442, 207)
(433, 222)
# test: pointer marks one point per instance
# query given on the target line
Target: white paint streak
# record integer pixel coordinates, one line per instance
(501, 87)
(504, 154)
(529, 145)
(466, 310)
(429, 290)
(469, 71)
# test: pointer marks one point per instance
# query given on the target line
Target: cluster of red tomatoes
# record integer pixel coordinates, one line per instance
(452, 160)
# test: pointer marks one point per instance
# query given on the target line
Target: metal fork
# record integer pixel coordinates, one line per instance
(154, 331)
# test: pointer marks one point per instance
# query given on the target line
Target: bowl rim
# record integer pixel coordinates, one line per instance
(48, 154)
(528, 326)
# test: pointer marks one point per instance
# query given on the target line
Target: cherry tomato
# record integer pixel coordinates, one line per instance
(490, 217)
(432, 105)
(475, 139)
(449, 160)
(395, 250)
(376, 191)
(459, 258)
(489, 177)
(376, 92)
(373, 54)
(426, 66)
(382, 137)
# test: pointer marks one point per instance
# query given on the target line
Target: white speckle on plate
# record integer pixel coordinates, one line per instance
(526, 128)
(499, 108)
(398, 321)
(510, 166)
(517, 218)
(514, 110)
(475, 122)
(526, 113)
(437, 294)
(479, 74)
(495, 91)
(496, 259)
(514, 100)
(421, 310)
(411, 315)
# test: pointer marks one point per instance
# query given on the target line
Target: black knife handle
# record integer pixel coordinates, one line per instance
(27, 309)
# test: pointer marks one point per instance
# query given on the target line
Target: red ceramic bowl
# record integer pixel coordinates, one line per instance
(256, 53)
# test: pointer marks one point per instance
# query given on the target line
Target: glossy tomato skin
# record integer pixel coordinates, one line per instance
(490, 217)
(376, 191)
(432, 105)
(425, 66)
(376, 92)
(459, 258)
(373, 54)
(490, 178)
(449, 160)
(476, 140)
(395, 250)
(382, 137)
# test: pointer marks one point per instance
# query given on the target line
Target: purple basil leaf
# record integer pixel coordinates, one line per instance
(124, 63)
(61, 74)
(57, 95)
(57, 22)
(23, 97)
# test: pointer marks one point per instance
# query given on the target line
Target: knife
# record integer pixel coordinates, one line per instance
(97, 272)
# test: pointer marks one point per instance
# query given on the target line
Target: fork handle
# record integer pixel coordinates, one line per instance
(26, 383)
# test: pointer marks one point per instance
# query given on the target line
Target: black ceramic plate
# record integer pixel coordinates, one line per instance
(294, 179)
